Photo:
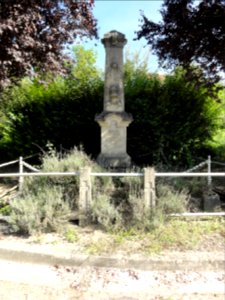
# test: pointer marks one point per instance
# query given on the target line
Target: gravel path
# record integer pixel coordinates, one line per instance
(22, 281)
(110, 283)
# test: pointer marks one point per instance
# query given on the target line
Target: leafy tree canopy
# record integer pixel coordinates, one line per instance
(191, 32)
(34, 32)
(85, 69)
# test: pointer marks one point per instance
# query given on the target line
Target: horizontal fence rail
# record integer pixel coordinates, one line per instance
(38, 174)
(108, 174)
(199, 214)
(197, 174)
(112, 174)
(85, 183)
(163, 174)
(9, 163)
(218, 163)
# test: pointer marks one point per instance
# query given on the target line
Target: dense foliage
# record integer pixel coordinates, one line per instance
(34, 33)
(190, 32)
(173, 121)
(54, 109)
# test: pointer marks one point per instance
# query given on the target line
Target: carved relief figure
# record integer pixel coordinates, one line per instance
(114, 94)
(114, 72)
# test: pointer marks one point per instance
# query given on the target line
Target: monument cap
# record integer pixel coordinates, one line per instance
(114, 39)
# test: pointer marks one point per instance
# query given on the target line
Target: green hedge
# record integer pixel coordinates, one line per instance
(173, 121)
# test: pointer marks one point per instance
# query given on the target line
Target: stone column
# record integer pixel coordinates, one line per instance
(114, 120)
(113, 92)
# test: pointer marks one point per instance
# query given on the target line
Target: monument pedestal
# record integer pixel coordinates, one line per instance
(113, 139)
(114, 162)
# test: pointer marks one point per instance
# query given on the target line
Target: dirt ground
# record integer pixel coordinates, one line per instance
(33, 282)
(27, 281)
(130, 284)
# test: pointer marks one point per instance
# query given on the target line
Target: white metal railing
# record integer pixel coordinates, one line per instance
(30, 167)
(114, 174)
(161, 174)
(199, 214)
(197, 174)
(36, 172)
(149, 175)
(207, 162)
(202, 164)
(157, 174)
(9, 163)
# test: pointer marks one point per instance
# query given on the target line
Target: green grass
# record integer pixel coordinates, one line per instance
(71, 235)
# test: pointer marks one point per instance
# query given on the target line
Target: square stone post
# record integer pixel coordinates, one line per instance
(149, 188)
(85, 196)
(211, 201)
(21, 178)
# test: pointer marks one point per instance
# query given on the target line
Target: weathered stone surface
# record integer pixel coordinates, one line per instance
(149, 188)
(211, 201)
(85, 196)
(113, 92)
(114, 120)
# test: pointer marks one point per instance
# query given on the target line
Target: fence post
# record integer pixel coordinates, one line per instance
(149, 188)
(209, 171)
(21, 179)
(85, 195)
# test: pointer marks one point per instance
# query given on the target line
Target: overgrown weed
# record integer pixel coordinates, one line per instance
(46, 203)
(177, 235)
(71, 235)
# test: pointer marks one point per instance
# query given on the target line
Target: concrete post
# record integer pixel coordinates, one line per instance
(149, 188)
(21, 178)
(211, 201)
(85, 195)
(209, 171)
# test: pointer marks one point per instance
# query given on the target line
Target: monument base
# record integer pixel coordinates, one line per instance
(123, 161)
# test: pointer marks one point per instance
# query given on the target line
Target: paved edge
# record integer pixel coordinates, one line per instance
(145, 264)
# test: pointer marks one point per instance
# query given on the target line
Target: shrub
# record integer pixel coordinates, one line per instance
(123, 207)
(105, 213)
(115, 204)
(170, 200)
(46, 203)
(43, 211)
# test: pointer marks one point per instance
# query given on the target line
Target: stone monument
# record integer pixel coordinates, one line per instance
(114, 120)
